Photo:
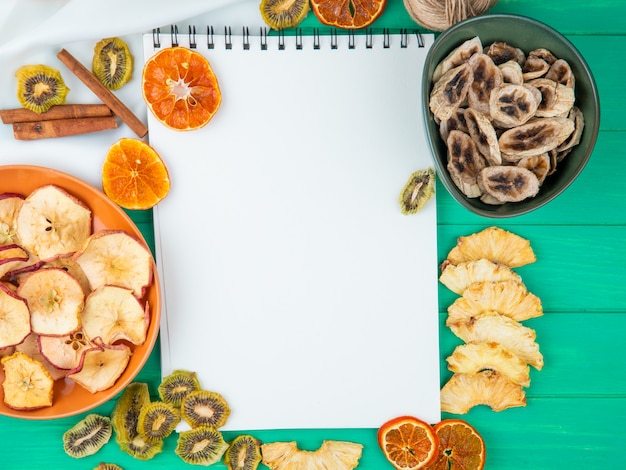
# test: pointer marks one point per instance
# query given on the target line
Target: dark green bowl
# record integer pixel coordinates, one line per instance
(527, 34)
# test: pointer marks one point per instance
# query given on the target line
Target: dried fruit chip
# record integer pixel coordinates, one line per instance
(460, 446)
(53, 222)
(114, 257)
(10, 205)
(494, 244)
(87, 436)
(204, 408)
(459, 277)
(30, 347)
(417, 191)
(408, 442)
(107, 466)
(180, 88)
(474, 357)
(112, 63)
(203, 445)
(243, 453)
(279, 14)
(508, 298)
(39, 87)
(27, 384)
(134, 175)
(14, 318)
(101, 367)
(157, 420)
(141, 449)
(125, 415)
(348, 15)
(488, 387)
(338, 455)
(512, 335)
(177, 385)
(113, 314)
(65, 352)
(55, 299)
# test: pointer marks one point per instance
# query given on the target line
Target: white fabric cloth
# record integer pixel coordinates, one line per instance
(33, 31)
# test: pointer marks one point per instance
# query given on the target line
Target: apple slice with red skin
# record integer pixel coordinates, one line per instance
(12, 257)
(14, 318)
(55, 299)
(10, 205)
(65, 352)
(30, 347)
(113, 313)
(101, 366)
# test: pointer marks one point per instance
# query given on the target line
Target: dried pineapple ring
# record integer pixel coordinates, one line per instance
(458, 277)
(337, 455)
(509, 298)
(52, 222)
(27, 384)
(494, 244)
(464, 391)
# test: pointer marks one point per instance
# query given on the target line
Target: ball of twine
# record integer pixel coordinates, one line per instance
(439, 15)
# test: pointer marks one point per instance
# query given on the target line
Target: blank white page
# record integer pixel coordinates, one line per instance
(293, 284)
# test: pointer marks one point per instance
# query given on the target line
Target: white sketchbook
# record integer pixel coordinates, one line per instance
(293, 284)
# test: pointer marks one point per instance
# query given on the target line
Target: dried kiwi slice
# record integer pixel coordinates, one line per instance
(157, 420)
(177, 385)
(87, 436)
(107, 466)
(39, 87)
(243, 453)
(125, 415)
(279, 14)
(112, 63)
(205, 408)
(141, 449)
(417, 191)
(203, 445)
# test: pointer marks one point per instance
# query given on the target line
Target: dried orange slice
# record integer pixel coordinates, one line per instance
(460, 446)
(348, 14)
(180, 88)
(408, 442)
(134, 175)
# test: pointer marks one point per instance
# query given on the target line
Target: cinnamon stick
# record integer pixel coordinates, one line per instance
(62, 127)
(60, 111)
(103, 93)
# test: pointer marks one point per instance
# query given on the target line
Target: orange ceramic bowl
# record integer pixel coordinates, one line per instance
(70, 398)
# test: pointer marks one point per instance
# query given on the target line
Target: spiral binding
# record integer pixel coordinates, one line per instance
(264, 33)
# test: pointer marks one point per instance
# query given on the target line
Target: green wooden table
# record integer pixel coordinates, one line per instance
(577, 404)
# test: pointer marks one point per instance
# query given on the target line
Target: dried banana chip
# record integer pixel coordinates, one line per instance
(536, 137)
(512, 335)
(450, 91)
(464, 163)
(475, 357)
(512, 72)
(508, 183)
(535, 67)
(458, 56)
(539, 164)
(456, 122)
(513, 105)
(561, 72)
(501, 52)
(556, 99)
(508, 298)
(495, 244)
(485, 77)
(461, 276)
(544, 54)
(578, 118)
(464, 391)
(484, 135)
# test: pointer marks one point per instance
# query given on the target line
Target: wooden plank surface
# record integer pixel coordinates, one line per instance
(577, 403)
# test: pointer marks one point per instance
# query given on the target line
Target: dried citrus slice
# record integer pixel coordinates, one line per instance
(461, 446)
(134, 175)
(408, 442)
(348, 14)
(180, 88)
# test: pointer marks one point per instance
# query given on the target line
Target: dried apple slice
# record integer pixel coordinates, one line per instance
(55, 299)
(114, 257)
(65, 352)
(30, 347)
(14, 318)
(68, 263)
(101, 366)
(10, 205)
(27, 384)
(11, 257)
(53, 222)
(114, 313)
